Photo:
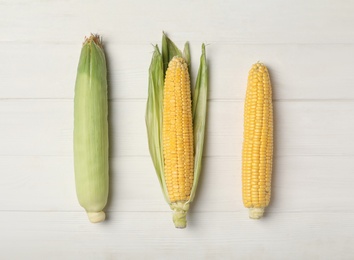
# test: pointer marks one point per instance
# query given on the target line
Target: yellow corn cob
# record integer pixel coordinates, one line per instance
(175, 122)
(177, 134)
(258, 142)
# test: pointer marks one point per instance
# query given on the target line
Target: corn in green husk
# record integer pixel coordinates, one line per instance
(91, 130)
(155, 113)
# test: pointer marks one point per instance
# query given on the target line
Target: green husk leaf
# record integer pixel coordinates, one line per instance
(91, 160)
(187, 56)
(169, 50)
(199, 118)
(153, 116)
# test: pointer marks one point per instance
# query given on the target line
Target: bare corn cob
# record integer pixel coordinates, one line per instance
(177, 132)
(258, 142)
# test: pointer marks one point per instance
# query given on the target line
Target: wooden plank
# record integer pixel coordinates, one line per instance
(44, 127)
(232, 22)
(126, 79)
(151, 235)
(292, 78)
(311, 184)
(48, 182)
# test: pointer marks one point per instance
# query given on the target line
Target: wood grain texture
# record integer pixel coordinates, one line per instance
(138, 22)
(218, 235)
(308, 47)
(48, 183)
(298, 71)
(301, 128)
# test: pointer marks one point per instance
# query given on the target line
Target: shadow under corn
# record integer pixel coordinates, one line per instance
(111, 138)
(275, 164)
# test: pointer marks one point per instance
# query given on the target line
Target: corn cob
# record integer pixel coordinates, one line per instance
(91, 130)
(258, 142)
(176, 125)
(177, 131)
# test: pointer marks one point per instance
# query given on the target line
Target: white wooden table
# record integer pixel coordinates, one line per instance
(308, 46)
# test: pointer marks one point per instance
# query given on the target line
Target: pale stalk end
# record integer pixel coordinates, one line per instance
(256, 213)
(180, 209)
(96, 217)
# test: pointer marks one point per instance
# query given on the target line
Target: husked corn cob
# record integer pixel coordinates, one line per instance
(175, 122)
(178, 133)
(258, 142)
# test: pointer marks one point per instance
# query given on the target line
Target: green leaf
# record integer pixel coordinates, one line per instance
(153, 116)
(91, 140)
(187, 56)
(169, 50)
(199, 118)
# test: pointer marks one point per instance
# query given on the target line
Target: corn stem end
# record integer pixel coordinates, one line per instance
(256, 213)
(180, 209)
(96, 217)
